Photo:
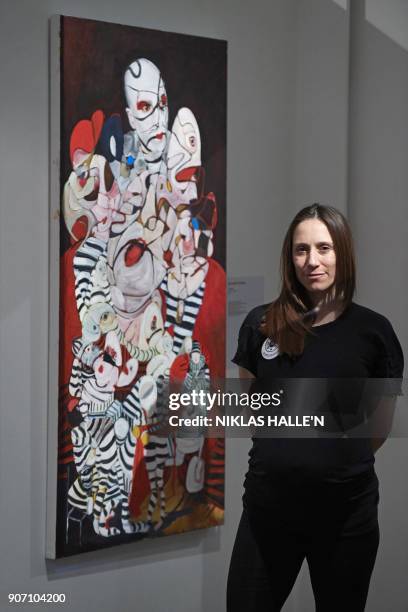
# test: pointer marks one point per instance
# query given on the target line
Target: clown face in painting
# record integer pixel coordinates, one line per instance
(147, 108)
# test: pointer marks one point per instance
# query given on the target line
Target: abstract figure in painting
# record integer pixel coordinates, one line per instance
(142, 231)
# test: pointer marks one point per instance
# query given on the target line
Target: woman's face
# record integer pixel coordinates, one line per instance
(314, 257)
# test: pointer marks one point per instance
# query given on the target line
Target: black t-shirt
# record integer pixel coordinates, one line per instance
(314, 472)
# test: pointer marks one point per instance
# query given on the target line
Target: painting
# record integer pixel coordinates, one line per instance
(141, 297)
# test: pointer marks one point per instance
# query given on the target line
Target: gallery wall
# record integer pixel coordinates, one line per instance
(297, 132)
(378, 199)
(178, 573)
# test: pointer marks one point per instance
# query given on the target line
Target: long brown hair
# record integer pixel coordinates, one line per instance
(290, 317)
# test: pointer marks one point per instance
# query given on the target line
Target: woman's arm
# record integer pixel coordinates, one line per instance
(382, 421)
(244, 373)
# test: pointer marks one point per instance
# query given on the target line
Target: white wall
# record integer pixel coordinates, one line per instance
(378, 211)
(391, 18)
(185, 572)
(319, 167)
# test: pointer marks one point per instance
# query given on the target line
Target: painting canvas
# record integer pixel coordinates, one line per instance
(140, 180)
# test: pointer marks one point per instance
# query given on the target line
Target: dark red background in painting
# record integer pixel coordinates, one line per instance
(94, 59)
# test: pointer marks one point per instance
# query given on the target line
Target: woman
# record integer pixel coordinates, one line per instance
(315, 498)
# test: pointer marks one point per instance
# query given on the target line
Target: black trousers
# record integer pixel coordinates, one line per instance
(268, 554)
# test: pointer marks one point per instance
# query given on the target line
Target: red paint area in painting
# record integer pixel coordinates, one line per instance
(168, 257)
(134, 252)
(142, 105)
(72, 404)
(186, 174)
(80, 228)
(85, 134)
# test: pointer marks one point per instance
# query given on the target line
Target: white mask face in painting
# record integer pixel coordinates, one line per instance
(147, 392)
(184, 152)
(133, 197)
(134, 273)
(147, 108)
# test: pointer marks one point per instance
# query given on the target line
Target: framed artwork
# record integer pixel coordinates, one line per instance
(138, 294)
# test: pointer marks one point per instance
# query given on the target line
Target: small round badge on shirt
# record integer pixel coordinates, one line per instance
(270, 350)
